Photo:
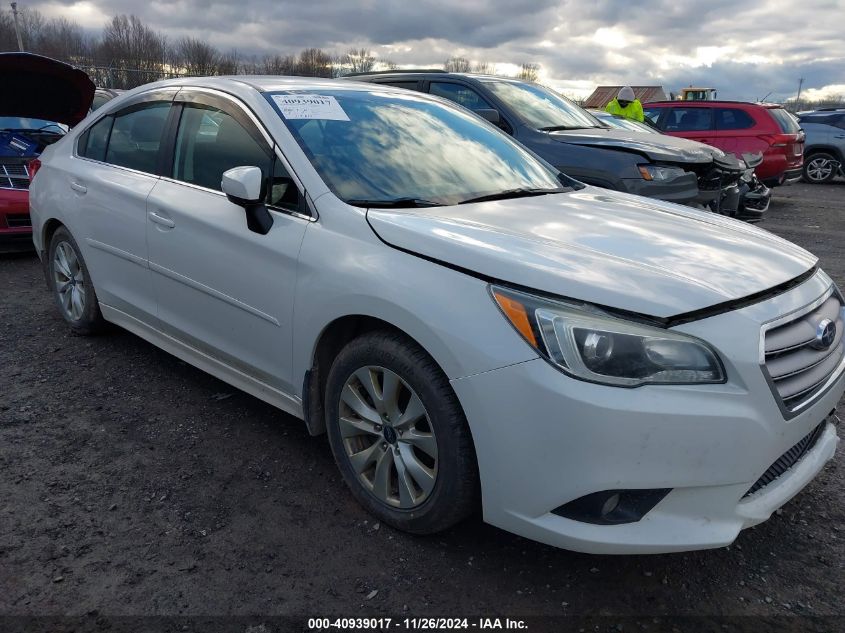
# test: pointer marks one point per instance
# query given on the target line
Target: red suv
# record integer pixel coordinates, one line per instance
(40, 98)
(738, 128)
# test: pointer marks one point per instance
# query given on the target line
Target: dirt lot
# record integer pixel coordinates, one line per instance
(131, 483)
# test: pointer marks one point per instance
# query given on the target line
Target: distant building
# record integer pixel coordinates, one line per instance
(605, 94)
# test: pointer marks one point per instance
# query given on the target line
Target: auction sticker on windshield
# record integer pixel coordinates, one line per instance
(310, 107)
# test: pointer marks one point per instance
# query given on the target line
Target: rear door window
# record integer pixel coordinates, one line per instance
(688, 120)
(93, 142)
(136, 136)
(733, 119)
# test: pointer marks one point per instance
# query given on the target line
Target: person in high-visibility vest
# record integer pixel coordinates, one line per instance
(626, 105)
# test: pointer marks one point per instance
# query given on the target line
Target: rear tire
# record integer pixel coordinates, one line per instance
(819, 168)
(399, 435)
(71, 285)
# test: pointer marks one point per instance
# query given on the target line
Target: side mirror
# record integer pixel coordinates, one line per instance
(244, 186)
(489, 114)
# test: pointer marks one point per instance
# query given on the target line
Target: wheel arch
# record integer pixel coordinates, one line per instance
(47, 231)
(334, 336)
(821, 149)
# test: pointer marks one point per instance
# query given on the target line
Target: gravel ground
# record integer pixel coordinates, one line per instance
(132, 483)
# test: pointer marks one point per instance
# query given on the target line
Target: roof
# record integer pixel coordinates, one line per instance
(396, 71)
(603, 95)
(265, 83)
(409, 72)
(708, 103)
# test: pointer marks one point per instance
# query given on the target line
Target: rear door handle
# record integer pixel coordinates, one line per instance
(78, 188)
(163, 221)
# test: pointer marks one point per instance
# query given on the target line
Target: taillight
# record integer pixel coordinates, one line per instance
(778, 140)
(34, 166)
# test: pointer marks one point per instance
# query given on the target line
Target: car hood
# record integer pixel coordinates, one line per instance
(611, 249)
(43, 88)
(657, 147)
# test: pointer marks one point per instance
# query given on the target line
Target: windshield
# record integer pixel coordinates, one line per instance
(23, 123)
(541, 108)
(372, 147)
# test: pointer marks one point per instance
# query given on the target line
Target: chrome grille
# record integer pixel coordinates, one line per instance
(797, 366)
(14, 176)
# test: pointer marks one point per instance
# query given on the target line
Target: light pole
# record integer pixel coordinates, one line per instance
(17, 28)
(798, 98)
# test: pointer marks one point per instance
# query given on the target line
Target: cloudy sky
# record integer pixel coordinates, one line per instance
(747, 49)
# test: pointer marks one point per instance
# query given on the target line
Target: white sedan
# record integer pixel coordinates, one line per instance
(597, 371)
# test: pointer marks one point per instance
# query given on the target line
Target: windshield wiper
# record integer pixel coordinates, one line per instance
(515, 193)
(29, 130)
(395, 203)
(560, 128)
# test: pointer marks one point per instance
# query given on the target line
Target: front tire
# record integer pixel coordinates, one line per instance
(399, 435)
(71, 285)
(819, 168)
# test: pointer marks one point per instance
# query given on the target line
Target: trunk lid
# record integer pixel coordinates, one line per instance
(39, 87)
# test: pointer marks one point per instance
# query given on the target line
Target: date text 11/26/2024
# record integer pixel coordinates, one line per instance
(416, 624)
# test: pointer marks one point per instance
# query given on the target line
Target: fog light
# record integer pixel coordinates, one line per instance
(612, 507)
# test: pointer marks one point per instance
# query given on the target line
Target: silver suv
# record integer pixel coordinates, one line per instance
(824, 151)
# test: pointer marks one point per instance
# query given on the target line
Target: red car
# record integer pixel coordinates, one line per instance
(40, 98)
(738, 128)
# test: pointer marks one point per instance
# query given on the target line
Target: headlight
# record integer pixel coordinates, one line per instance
(660, 173)
(593, 346)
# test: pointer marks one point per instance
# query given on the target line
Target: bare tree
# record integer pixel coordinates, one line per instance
(62, 39)
(280, 65)
(314, 62)
(136, 52)
(457, 65)
(359, 60)
(195, 57)
(229, 63)
(529, 72)
(389, 64)
(483, 68)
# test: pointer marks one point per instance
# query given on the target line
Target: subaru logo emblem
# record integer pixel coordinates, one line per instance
(825, 334)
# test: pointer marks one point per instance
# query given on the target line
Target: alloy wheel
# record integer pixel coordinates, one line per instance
(388, 437)
(819, 169)
(69, 281)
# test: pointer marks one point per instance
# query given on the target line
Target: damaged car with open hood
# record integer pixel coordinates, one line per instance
(40, 99)
(575, 142)
(471, 327)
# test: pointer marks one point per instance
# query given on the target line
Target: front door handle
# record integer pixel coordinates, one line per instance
(78, 188)
(159, 219)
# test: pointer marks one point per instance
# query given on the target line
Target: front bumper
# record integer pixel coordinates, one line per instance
(754, 203)
(15, 223)
(544, 440)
